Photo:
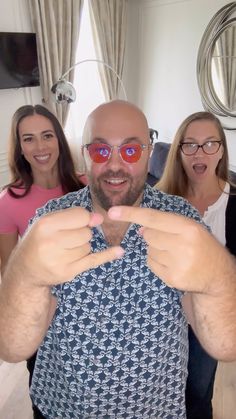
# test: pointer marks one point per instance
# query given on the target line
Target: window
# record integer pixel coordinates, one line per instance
(89, 92)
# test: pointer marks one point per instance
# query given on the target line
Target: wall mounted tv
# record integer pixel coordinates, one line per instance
(18, 60)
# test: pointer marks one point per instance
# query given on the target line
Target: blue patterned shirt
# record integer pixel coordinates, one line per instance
(117, 346)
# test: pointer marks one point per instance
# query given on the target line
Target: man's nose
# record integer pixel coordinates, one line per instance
(115, 157)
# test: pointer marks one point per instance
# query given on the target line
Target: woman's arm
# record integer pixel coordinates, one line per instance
(7, 243)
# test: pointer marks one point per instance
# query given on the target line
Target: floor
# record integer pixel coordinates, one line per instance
(14, 399)
(225, 391)
(15, 402)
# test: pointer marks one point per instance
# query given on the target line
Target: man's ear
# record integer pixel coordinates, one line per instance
(86, 159)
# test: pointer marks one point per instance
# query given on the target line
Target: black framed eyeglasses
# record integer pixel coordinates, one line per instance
(100, 152)
(209, 147)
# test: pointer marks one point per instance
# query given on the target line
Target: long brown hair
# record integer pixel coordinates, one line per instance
(174, 179)
(20, 169)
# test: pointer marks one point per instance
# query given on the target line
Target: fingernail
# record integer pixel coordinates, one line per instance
(96, 219)
(119, 252)
(114, 212)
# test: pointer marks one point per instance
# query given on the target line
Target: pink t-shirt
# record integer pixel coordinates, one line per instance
(16, 213)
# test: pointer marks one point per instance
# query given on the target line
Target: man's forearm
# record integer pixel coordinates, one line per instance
(54, 250)
(214, 313)
(25, 313)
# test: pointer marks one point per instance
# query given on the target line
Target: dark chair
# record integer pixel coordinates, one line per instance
(157, 162)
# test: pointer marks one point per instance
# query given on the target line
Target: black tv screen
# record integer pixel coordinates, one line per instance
(18, 60)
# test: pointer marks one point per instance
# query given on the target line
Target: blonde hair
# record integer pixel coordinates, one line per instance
(174, 179)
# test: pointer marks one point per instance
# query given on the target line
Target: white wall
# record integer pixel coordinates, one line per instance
(13, 17)
(163, 40)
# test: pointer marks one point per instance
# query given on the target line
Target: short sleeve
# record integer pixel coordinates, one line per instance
(7, 223)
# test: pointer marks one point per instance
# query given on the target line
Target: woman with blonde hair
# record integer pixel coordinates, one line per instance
(197, 169)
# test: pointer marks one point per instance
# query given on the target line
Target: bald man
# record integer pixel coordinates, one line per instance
(105, 281)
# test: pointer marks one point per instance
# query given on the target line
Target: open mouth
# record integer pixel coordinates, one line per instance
(199, 168)
(115, 182)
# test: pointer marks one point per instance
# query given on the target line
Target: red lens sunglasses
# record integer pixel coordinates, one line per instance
(100, 153)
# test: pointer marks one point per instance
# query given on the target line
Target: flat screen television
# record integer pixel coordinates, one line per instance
(18, 60)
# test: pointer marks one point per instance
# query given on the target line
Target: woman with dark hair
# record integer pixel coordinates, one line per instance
(197, 169)
(41, 168)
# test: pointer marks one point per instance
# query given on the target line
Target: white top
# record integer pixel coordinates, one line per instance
(214, 216)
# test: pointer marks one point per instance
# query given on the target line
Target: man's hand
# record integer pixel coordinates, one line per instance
(57, 247)
(180, 250)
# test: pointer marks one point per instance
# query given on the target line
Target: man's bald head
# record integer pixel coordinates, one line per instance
(119, 178)
(116, 116)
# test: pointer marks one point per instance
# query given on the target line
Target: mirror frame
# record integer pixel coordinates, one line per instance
(220, 22)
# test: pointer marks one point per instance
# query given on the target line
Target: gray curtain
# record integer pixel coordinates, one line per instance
(109, 21)
(57, 24)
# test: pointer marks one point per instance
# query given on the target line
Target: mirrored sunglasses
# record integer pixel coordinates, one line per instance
(100, 153)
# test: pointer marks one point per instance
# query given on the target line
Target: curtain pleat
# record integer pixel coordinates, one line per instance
(57, 25)
(109, 21)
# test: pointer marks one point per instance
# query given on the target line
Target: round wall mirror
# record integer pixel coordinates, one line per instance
(216, 66)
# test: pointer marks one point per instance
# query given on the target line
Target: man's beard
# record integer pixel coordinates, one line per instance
(129, 198)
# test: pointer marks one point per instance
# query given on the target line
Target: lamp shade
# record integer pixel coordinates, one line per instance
(64, 91)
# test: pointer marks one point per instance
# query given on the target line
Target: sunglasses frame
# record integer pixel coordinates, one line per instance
(119, 148)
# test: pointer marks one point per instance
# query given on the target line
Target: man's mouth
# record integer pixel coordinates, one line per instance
(115, 181)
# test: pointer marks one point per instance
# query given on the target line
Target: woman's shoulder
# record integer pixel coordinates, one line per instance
(7, 201)
(233, 190)
(5, 194)
(231, 204)
(232, 197)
